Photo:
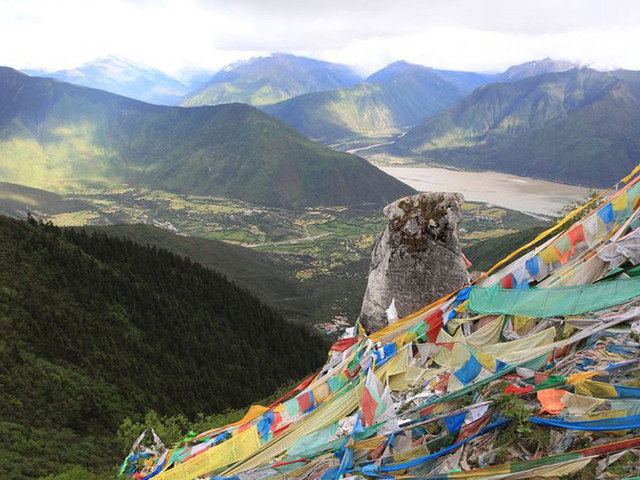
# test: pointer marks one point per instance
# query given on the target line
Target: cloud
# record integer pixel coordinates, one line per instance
(460, 34)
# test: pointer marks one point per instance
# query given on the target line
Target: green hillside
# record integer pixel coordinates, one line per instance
(579, 126)
(96, 329)
(390, 101)
(269, 276)
(62, 137)
(266, 80)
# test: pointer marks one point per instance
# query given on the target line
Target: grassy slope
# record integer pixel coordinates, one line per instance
(59, 136)
(97, 329)
(580, 126)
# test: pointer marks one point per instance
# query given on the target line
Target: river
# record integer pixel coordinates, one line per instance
(537, 197)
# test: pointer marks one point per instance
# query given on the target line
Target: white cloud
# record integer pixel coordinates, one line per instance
(457, 34)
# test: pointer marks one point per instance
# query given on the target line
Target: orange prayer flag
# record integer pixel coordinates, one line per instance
(551, 400)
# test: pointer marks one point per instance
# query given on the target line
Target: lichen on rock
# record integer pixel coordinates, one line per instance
(417, 259)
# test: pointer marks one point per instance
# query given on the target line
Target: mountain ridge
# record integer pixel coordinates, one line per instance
(59, 136)
(535, 68)
(122, 77)
(386, 103)
(266, 80)
(580, 126)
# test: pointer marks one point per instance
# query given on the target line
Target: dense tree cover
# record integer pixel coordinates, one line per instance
(95, 329)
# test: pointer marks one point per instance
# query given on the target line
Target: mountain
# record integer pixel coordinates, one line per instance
(194, 78)
(387, 103)
(122, 77)
(465, 81)
(534, 68)
(97, 328)
(266, 80)
(579, 126)
(59, 136)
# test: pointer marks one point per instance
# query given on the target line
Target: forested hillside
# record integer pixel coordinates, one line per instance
(97, 328)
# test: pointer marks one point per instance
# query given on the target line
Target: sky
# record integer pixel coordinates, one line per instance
(178, 35)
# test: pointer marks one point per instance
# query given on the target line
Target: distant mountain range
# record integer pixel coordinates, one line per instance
(579, 126)
(266, 80)
(509, 122)
(262, 80)
(534, 68)
(124, 77)
(387, 103)
(58, 136)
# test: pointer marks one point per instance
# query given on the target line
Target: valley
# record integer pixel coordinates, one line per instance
(318, 257)
(528, 195)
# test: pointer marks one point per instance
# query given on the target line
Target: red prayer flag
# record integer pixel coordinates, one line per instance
(576, 235)
(447, 345)
(507, 282)
(435, 324)
(304, 402)
(539, 377)
(518, 390)
(369, 406)
(342, 345)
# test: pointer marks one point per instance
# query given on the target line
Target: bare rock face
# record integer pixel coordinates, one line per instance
(417, 259)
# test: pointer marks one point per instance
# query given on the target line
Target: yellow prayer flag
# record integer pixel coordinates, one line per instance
(621, 202)
(549, 255)
(591, 388)
(226, 453)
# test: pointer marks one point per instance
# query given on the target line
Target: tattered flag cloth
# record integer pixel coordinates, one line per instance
(556, 341)
(607, 424)
(551, 302)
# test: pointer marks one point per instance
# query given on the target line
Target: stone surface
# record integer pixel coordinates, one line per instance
(417, 259)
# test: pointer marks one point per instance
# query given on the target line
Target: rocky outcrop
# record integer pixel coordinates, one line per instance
(417, 259)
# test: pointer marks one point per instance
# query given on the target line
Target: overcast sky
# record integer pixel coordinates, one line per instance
(487, 35)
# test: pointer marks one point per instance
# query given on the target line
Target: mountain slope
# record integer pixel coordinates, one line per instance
(397, 97)
(266, 80)
(58, 136)
(580, 126)
(81, 314)
(535, 68)
(19, 201)
(268, 276)
(122, 77)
